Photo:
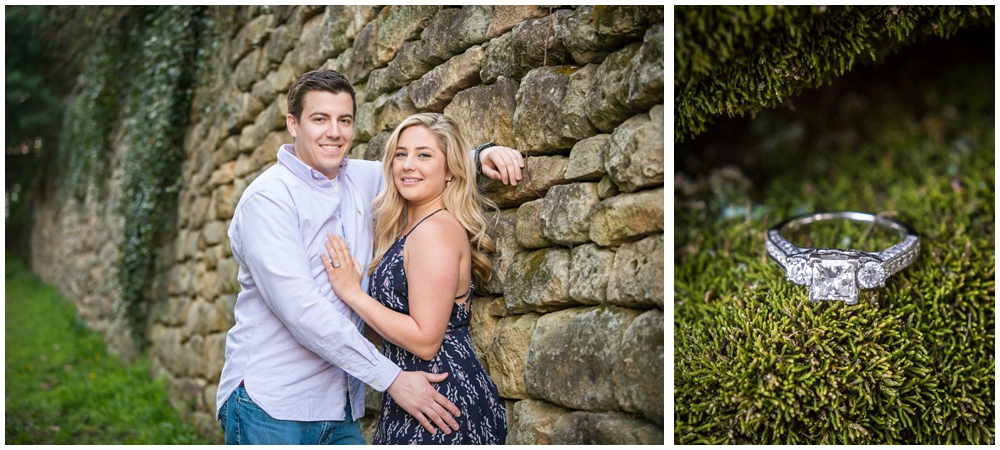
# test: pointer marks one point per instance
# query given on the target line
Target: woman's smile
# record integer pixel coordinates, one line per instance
(418, 166)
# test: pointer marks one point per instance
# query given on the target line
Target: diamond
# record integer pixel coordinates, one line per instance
(833, 278)
(871, 275)
(799, 271)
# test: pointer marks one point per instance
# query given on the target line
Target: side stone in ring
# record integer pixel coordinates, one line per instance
(838, 274)
(799, 271)
(871, 275)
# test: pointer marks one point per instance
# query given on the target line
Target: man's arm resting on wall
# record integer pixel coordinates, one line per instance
(499, 162)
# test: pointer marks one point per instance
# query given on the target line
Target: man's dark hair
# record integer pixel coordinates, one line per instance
(317, 80)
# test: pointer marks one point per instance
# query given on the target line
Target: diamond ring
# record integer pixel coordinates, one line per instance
(836, 274)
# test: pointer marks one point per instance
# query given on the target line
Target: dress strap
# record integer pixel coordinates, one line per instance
(469, 292)
(422, 221)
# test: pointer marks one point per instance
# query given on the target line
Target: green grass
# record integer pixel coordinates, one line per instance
(913, 363)
(62, 387)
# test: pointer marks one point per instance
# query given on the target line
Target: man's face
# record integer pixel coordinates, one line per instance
(323, 135)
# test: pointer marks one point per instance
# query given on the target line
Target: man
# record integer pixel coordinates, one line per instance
(296, 362)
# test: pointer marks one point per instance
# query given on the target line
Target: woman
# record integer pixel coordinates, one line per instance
(429, 243)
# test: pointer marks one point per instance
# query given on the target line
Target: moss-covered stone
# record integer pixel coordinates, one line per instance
(551, 110)
(636, 279)
(253, 35)
(246, 72)
(282, 39)
(243, 108)
(591, 32)
(390, 110)
(529, 230)
(470, 27)
(481, 327)
(504, 234)
(433, 46)
(405, 67)
(565, 213)
(573, 351)
(538, 281)
(398, 24)
(627, 82)
(586, 160)
(531, 43)
(590, 428)
(436, 89)
(310, 51)
(637, 378)
(627, 217)
(508, 354)
(532, 422)
(486, 113)
(737, 59)
(589, 270)
(634, 157)
(505, 17)
(357, 63)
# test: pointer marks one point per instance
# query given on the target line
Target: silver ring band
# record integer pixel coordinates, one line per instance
(837, 274)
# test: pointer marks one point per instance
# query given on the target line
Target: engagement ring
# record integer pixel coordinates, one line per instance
(836, 274)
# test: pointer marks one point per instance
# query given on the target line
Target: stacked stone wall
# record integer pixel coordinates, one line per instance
(571, 326)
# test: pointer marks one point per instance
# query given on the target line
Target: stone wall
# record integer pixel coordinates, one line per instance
(571, 326)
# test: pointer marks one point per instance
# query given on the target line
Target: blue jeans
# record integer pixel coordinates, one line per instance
(245, 423)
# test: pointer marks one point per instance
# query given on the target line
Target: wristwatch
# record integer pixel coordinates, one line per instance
(479, 163)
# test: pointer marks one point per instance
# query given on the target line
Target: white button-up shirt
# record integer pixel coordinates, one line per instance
(296, 346)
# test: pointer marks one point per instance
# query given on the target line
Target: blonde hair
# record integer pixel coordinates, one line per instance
(461, 195)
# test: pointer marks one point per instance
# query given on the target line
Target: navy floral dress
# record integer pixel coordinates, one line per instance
(468, 386)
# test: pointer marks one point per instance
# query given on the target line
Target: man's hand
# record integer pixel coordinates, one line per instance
(414, 393)
(502, 163)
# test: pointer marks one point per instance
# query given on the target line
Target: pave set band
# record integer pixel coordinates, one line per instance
(837, 274)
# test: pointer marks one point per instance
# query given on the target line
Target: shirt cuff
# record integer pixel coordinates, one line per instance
(383, 374)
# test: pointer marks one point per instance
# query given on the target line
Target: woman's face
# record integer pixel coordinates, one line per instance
(419, 168)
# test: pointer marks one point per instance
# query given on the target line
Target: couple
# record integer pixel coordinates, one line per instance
(296, 359)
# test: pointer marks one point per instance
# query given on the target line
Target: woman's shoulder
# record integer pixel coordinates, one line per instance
(440, 229)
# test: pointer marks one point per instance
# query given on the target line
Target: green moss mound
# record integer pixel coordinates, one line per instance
(737, 59)
(754, 360)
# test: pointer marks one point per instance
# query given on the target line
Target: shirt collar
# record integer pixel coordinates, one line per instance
(287, 158)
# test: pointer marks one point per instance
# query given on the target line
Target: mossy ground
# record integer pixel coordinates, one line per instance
(754, 360)
(62, 387)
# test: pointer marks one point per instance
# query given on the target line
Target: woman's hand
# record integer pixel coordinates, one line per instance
(343, 270)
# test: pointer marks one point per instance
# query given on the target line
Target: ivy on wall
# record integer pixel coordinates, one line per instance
(139, 76)
(155, 118)
(85, 141)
